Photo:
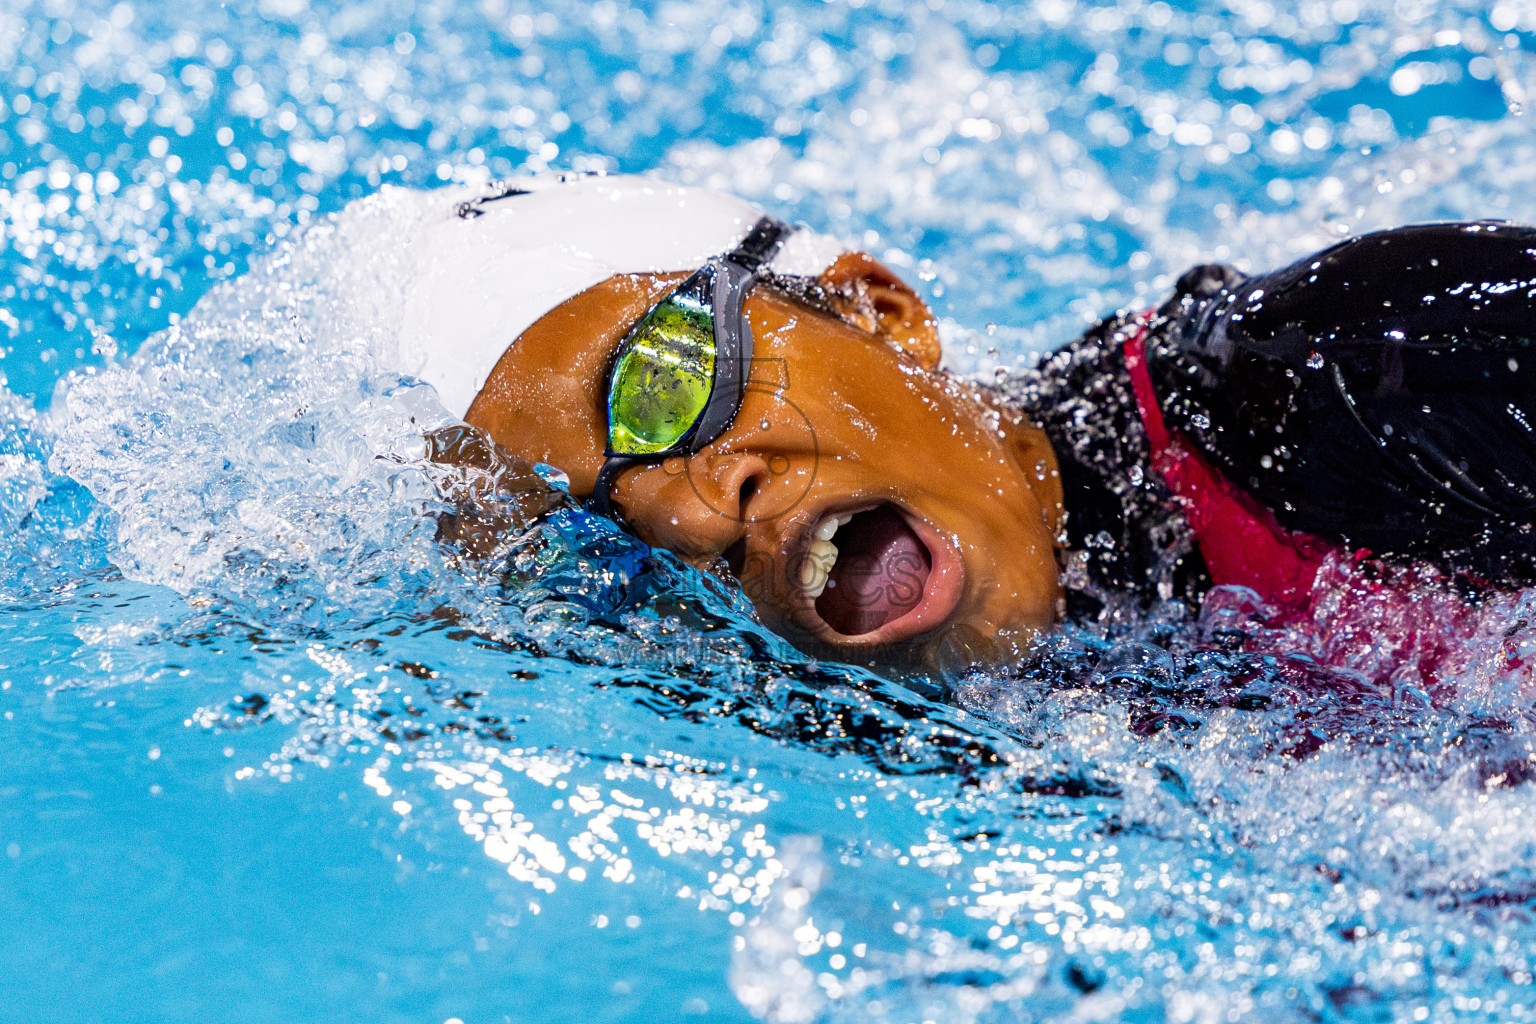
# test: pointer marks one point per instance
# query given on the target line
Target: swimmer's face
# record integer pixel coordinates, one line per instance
(940, 509)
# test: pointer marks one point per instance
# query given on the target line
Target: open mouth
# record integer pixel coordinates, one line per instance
(866, 570)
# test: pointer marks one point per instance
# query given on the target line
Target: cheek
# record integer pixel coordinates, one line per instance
(575, 432)
(1009, 549)
(765, 583)
(1031, 580)
(570, 413)
(545, 421)
(652, 496)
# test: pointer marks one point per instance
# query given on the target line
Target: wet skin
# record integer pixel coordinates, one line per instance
(847, 413)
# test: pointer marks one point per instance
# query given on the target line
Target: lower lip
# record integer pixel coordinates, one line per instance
(941, 595)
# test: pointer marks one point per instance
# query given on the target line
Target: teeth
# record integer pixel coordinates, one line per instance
(817, 567)
(822, 556)
(831, 525)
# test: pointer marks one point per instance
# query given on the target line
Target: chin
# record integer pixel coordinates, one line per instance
(947, 651)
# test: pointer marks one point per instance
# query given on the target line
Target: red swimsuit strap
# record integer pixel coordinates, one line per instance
(1238, 537)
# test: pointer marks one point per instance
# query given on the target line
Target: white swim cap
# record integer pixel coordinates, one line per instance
(477, 268)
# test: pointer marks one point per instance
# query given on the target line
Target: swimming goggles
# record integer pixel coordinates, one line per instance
(680, 374)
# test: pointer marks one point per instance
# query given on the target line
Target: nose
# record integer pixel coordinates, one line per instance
(696, 506)
(729, 484)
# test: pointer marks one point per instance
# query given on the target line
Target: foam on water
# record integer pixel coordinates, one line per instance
(582, 770)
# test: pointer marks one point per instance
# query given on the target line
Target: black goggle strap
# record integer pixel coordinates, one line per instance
(600, 501)
(732, 277)
(761, 244)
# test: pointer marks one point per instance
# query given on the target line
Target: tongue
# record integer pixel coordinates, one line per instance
(879, 576)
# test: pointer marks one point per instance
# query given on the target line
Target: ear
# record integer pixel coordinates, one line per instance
(867, 292)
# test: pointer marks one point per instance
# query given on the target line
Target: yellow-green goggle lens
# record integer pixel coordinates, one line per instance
(662, 380)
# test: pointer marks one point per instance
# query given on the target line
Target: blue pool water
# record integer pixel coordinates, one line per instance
(269, 753)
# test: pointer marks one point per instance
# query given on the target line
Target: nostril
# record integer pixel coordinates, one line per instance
(741, 481)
